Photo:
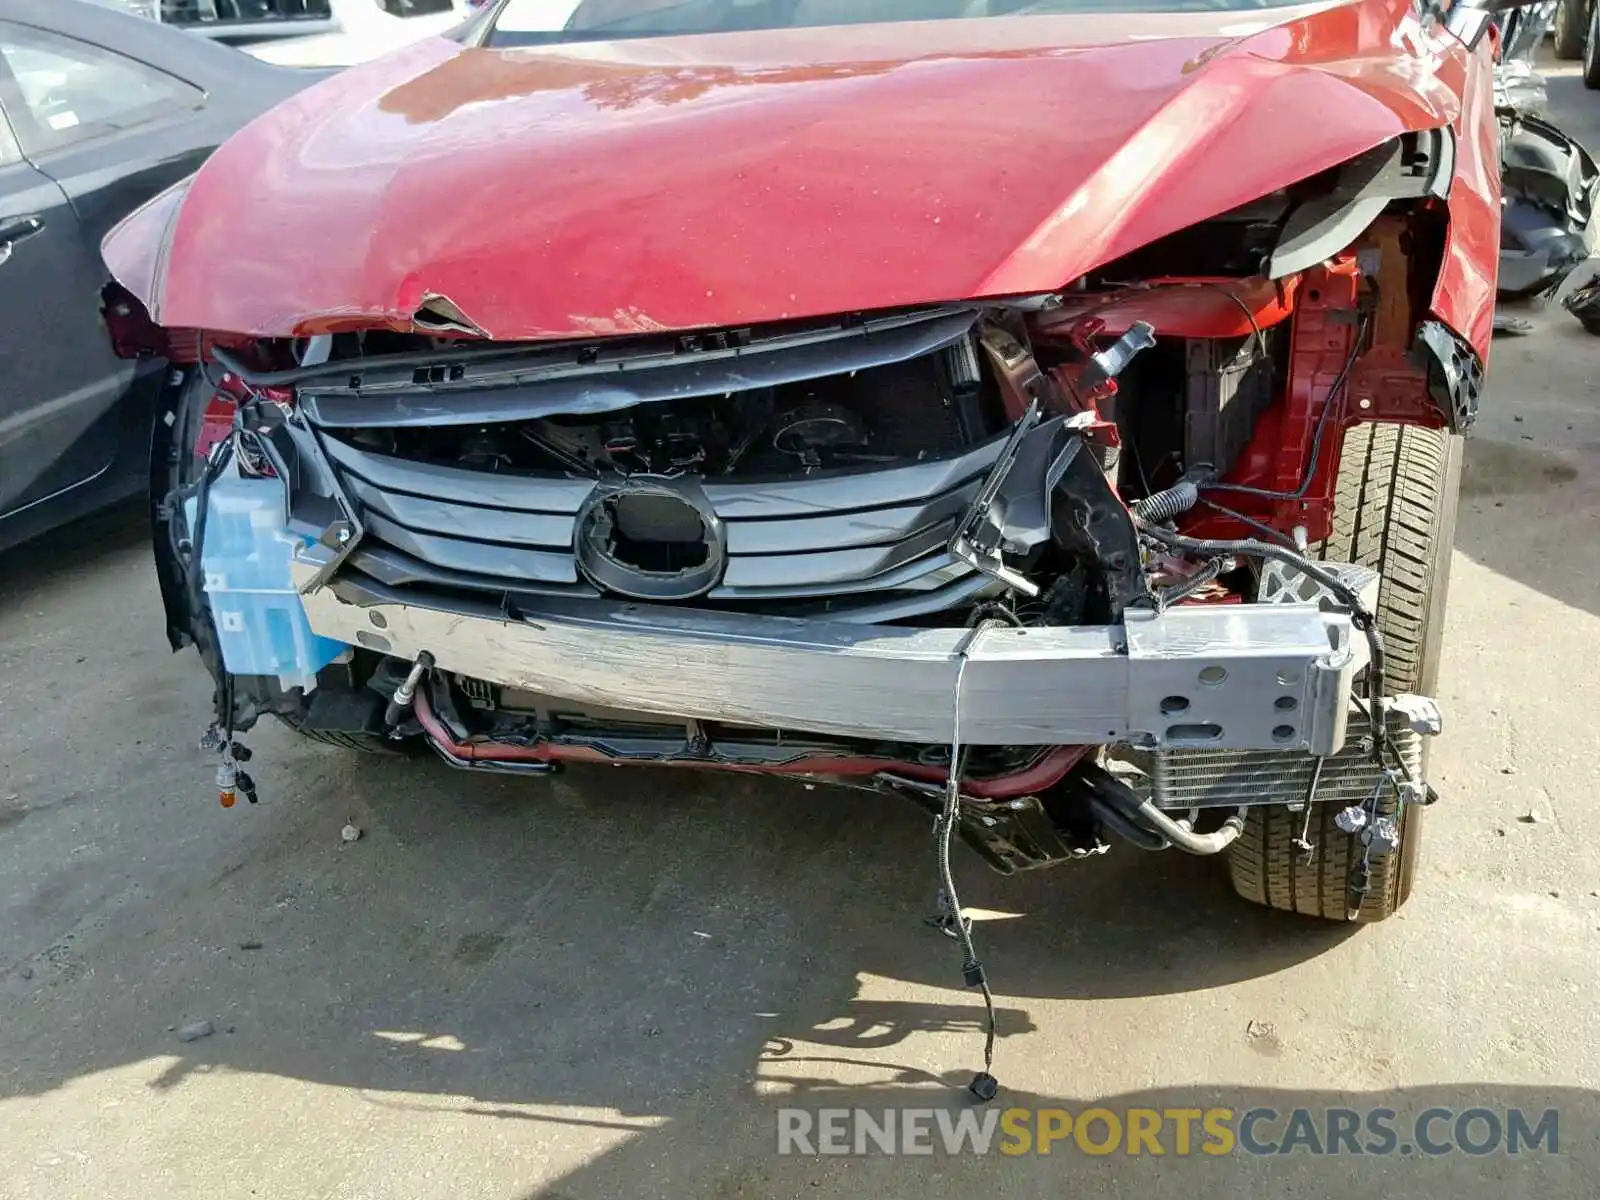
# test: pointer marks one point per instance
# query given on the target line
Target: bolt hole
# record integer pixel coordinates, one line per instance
(1313, 295)
(1283, 733)
(1214, 676)
(1173, 705)
(1288, 677)
(1286, 704)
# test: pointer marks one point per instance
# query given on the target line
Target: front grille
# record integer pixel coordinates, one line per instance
(1183, 779)
(864, 544)
(238, 12)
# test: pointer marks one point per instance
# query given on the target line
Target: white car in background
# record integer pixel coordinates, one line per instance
(367, 29)
(242, 19)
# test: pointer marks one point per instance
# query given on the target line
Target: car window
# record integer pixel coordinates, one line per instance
(63, 91)
(10, 152)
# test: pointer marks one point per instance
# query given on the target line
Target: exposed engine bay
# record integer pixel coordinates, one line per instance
(979, 471)
(876, 418)
(1083, 482)
(1053, 567)
(1054, 556)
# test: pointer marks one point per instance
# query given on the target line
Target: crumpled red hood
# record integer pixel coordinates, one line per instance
(739, 178)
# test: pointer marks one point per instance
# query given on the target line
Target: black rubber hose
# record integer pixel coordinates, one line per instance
(1166, 504)
(1217, 547)
(1111, 791)
(1145, 839)
(1185, 588)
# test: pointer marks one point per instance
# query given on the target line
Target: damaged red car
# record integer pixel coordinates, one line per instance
(1048, 412)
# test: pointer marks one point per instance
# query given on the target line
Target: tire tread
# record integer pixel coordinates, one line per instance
(1394, 510)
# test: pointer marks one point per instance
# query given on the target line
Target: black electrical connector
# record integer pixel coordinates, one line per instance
(984, 1086)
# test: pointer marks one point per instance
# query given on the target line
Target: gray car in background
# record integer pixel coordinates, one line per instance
(99, 112)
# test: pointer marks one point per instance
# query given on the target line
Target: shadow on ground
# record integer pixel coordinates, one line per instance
(31, 570)
(1529, 514)
(645, 943)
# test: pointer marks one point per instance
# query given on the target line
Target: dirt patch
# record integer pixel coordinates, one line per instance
(476, 949)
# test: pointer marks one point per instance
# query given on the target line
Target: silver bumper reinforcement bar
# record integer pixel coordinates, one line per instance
(1239, 677)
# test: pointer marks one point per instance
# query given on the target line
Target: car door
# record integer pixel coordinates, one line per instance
(98, 133)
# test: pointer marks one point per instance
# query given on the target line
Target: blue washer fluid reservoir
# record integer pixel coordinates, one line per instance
(261, 624)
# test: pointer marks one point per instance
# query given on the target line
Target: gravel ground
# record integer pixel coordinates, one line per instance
(607, 984)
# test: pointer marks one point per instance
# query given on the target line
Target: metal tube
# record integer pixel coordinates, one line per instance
(406, 693)
(1105, 787)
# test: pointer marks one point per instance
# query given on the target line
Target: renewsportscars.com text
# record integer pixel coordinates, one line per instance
(1178, 1132)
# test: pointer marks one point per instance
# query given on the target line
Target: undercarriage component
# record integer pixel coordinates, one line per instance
(1018, 833)
(1124, 811)
(698, 746)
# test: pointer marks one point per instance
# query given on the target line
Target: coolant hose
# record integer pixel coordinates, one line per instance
(1120, 825)
(1118, 796)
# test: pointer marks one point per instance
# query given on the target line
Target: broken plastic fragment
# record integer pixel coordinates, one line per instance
(1421, 713)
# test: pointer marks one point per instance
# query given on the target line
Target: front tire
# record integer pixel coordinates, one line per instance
(1395, 511)
(1591, 51)
(1569, 29)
